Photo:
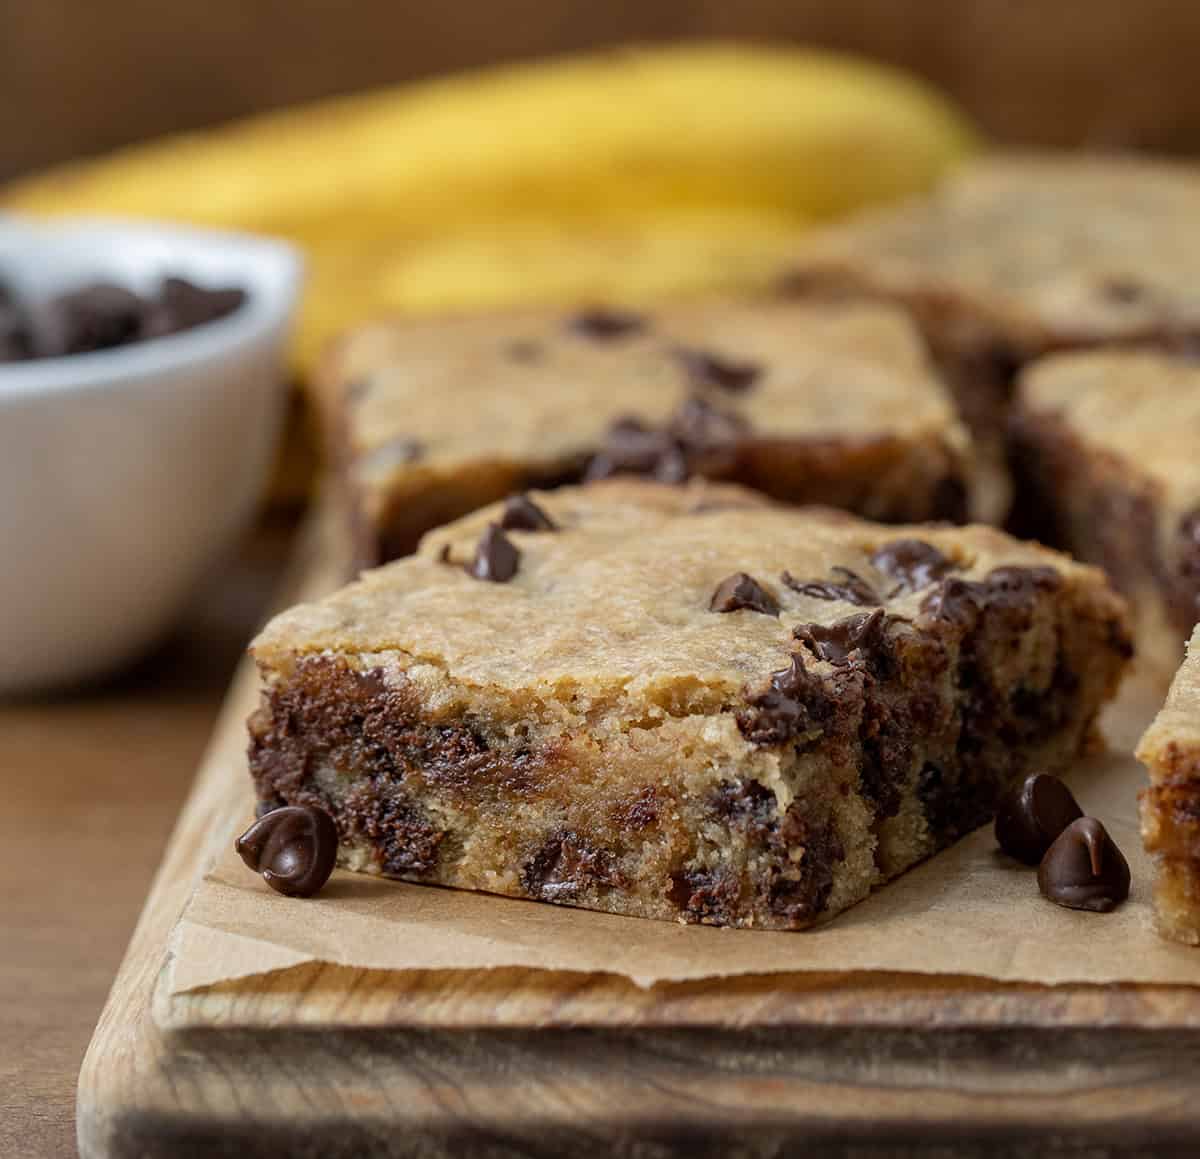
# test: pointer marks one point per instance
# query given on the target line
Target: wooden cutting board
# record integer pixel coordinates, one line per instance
(330, 1061)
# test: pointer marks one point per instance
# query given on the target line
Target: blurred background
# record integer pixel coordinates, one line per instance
(78, 78)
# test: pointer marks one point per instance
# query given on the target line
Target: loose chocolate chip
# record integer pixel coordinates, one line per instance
(1030, 817)
(913, 563)
(522, 514)
(1084, 869)
(496, 557)
(740, 591)
(847, 586)
(294, 848)
(604, 323)
(15, 342)
(835, 642)
(95, 317)
(188, 305)
(705, 369)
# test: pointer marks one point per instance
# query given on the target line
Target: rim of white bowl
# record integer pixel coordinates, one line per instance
(270, 270)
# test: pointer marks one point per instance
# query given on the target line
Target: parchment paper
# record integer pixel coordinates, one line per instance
(968, 911)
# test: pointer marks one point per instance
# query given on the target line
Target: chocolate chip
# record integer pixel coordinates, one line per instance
(496, 558)
(1030, 817)
(524, 350)
(522, 514)
(961, 601)
(740, 591)
(835, 642)
(913, 563)
(603, 323)
(794, 702)
(294, 848)
(1084, 869)
(1122, 290)
(633, 449)
(15, 342)
(708, 437)
(95, 317)
(847, 586)
(705, 369)
(188, 305)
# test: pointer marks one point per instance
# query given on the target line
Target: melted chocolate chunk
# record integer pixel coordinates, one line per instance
(837, 642)
(913, 563)
(522, 514)
(795, 702)
(847, 586)
(496, 558)
(800, 892)
(294, 848)
(1084, 869)
(564, 867)
(746, 803)
(740, 591)
(960, 601)
(603, 324)
(706, 369)
(1031, 817)
(704, 895)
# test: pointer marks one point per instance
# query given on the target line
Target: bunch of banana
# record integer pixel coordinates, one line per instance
(644, 170)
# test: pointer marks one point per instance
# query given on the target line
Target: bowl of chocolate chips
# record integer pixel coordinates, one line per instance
(142, 386)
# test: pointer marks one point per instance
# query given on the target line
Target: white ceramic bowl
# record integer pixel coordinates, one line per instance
(124, 472)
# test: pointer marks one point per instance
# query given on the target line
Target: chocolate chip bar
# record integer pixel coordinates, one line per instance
(680, 702)
(829, 404)
(1017, 256)
(1106, 451)
(1170, 750)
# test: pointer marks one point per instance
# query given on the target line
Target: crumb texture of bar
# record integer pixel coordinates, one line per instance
(1014, 256)
(680, 702)
(1170, 805)
(806, 402)
(1106, 451)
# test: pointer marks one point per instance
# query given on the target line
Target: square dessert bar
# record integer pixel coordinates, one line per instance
(830, 404)
(680, 702)
(1013, 257)
(1171, 805)
(1106, 452)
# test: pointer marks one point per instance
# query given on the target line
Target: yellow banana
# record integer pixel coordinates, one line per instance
(772, 129)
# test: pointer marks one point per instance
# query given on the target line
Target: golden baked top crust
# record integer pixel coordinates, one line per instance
(1043, 249)
(620, 595)
(442, 395)
(1140, 405)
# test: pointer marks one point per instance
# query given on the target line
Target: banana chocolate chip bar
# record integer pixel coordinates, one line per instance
(680, 702)
(808, 403)
(1016, 256)
(1170, 750)
(1106, 453)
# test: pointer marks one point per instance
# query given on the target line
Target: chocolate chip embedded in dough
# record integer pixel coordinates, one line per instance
(836, 642)
(1031, 816)
(706, 369)
(632, 448)
(294, 848)
(1084, 869)
(606, 323)
(496, 557)
(739, 592)
(913, 563)
(522, 514)
(846, 585)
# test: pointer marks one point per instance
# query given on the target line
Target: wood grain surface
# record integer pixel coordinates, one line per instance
(76, 79)
(328, 1061)
(90, 785)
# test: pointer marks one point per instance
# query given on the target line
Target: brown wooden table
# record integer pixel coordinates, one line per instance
(89, 787)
